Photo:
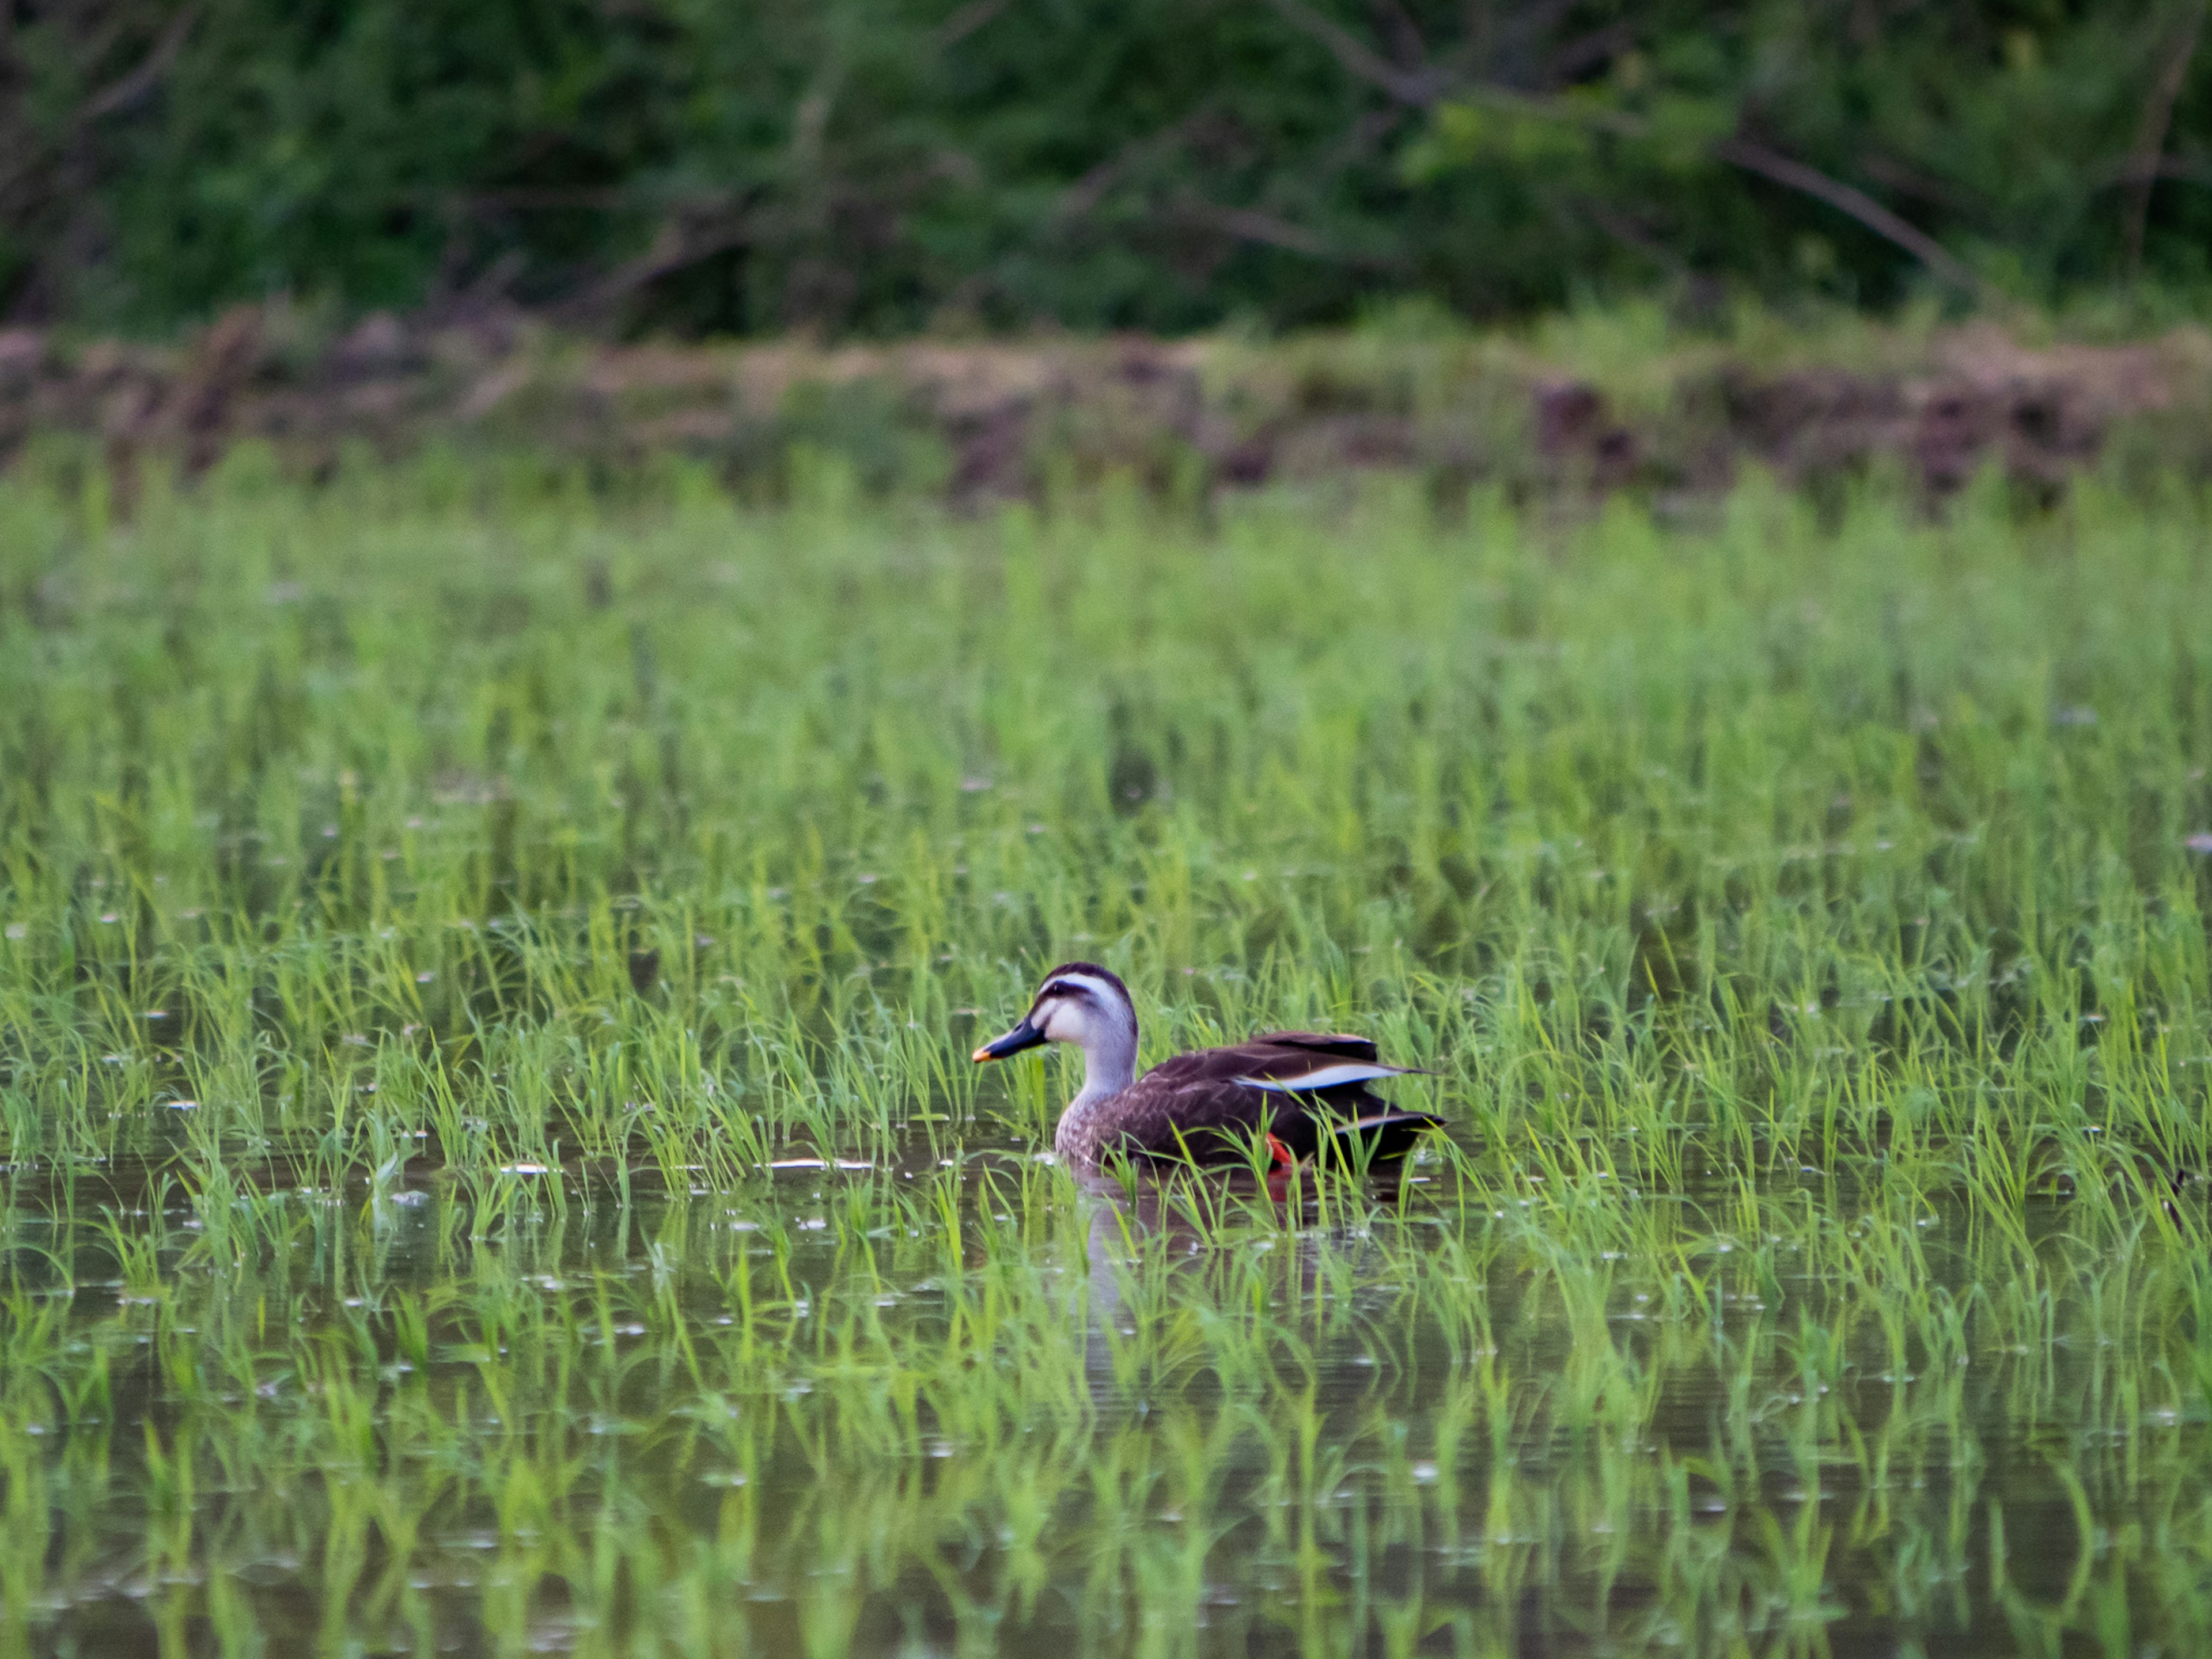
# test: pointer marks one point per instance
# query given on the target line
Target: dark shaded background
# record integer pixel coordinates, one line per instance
(878, 166)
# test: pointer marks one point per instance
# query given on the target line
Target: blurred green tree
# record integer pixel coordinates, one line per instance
(881, 165)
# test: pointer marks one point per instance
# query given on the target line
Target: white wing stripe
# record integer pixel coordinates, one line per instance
(1327, 1077)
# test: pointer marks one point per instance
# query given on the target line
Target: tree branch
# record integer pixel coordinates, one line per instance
(120, 96)
(965, 21)
(1250, 225)
(1418, 87)
(1853, 203)
(676, 246)
(2150, 137)
(2158, 166)
(1424, 88)
(1085, 193)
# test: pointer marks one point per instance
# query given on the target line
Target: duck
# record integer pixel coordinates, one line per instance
(1296, 1093)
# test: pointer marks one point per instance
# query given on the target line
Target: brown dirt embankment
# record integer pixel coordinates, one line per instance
(1556, 413)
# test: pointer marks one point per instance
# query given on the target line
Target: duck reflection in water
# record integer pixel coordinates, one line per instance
(1153, 1228)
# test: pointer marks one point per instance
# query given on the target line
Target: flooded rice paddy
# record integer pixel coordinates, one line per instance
(968, 1410)
(491, 1166)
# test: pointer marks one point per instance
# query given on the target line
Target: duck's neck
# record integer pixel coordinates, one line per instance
(1109, 1065)
(1109, 1062)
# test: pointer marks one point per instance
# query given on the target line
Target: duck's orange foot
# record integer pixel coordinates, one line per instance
(1279, 1152)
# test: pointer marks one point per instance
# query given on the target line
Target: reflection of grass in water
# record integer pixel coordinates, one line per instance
(1802, 924)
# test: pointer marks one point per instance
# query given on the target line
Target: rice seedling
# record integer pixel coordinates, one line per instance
(487, 971)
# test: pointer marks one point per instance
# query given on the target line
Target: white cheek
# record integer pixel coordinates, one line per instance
(1067, 1023)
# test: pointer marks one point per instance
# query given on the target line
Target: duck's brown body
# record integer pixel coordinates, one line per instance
(1211, 1106)
(1287, 1093)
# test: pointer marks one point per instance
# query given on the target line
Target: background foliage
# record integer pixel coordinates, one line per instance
(879, 165)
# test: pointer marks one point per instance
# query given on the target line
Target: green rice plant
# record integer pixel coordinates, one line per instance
(486, 973)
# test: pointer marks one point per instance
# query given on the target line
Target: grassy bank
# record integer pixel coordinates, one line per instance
(491, 1160)
(1662, 405)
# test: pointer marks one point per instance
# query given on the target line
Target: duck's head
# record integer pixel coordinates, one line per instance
(1079, 1002)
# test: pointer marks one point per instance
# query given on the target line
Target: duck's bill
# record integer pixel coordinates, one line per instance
(1023, 1035)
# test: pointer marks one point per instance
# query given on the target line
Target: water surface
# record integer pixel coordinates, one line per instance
(960, 1402)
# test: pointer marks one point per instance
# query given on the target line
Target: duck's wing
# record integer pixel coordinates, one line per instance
(1284, 1062)
(1339, 1044)
(1333, 1070)
(1209, 1105)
